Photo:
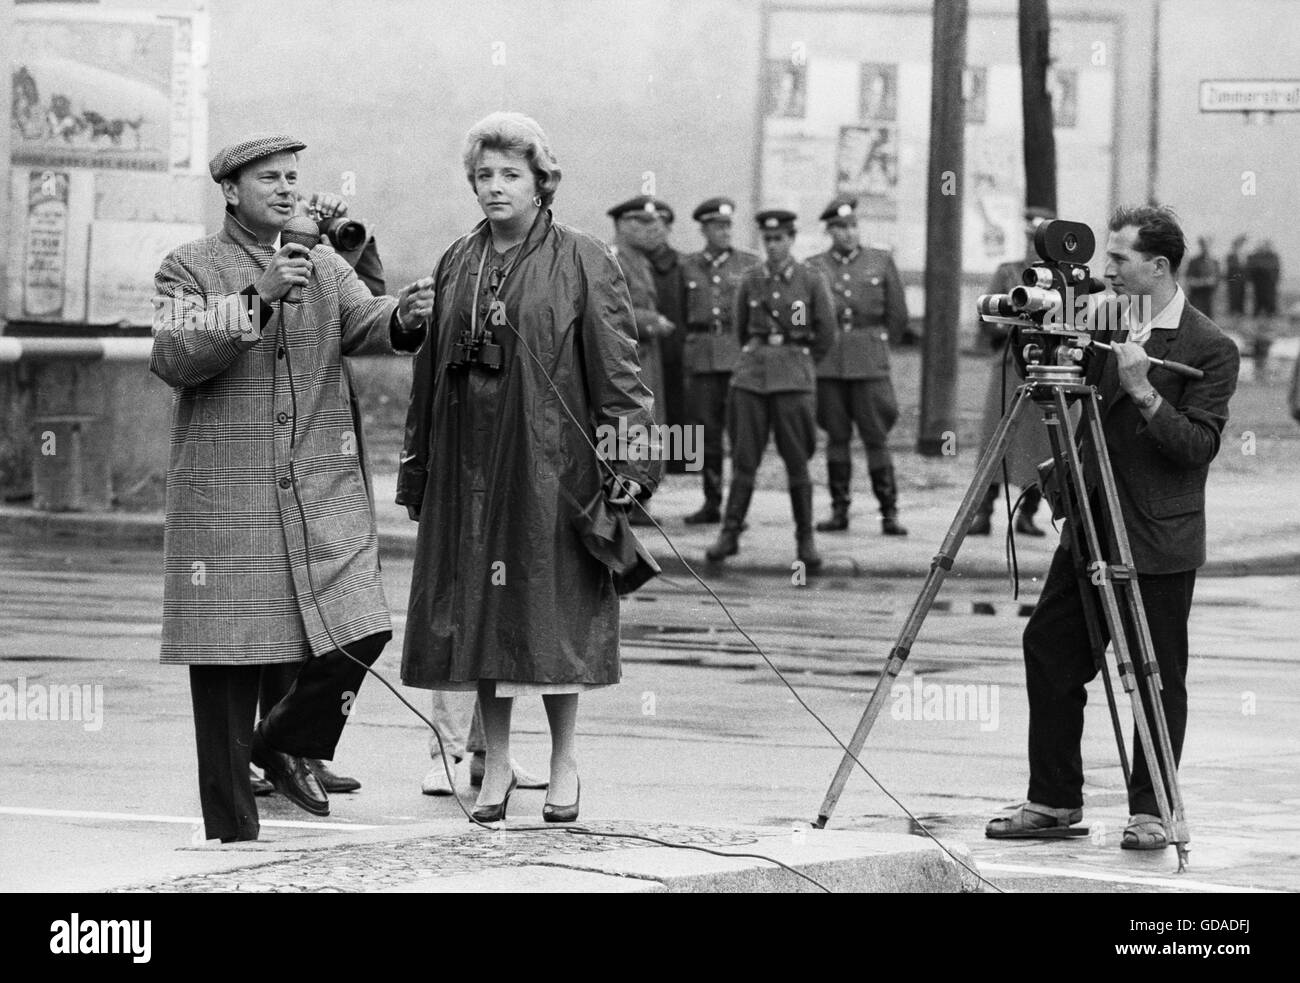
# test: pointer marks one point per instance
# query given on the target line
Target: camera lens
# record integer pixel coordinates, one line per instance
(1070, 242)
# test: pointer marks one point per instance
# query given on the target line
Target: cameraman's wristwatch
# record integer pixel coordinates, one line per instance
(1147, 401)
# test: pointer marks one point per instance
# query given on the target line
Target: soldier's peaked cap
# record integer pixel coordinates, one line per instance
(776, 218)
(641, 203)
(714, 208)
(841, 209)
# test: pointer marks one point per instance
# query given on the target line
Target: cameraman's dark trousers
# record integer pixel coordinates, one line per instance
(307, 722)
(1059, 662)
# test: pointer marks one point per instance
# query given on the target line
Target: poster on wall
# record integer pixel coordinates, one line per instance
(103, 89)
(1063, 87)
(975, 93)
(125, 256)
(45, 252)
(878, 93)
(47, 257)
(786, 88)
(866, 165)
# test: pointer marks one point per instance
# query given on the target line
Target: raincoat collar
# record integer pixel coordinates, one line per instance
(541, 227)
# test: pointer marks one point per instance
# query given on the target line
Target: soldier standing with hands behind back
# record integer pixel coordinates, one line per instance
(853, 384)
(784, 323)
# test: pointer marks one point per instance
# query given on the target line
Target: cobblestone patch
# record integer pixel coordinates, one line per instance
(377, 866)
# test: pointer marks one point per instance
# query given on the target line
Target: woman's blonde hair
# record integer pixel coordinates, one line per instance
(514, 133)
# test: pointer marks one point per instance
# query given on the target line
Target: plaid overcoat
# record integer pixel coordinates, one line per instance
(258, 415)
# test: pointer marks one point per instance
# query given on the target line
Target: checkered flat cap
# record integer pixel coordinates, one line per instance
(231, 158)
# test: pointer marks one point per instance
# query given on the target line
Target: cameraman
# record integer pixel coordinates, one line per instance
(1162, 431)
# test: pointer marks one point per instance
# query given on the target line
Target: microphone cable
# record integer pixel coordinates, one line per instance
(727, 611)
(339, 647)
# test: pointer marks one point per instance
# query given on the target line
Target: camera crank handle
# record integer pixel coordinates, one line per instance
(1178, 368)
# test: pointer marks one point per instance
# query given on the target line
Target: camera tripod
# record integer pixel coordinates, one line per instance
(1099, 545)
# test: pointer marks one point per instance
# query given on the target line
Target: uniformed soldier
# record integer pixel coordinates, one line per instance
(710, 349)
(636, 224)
(670, 287)
(853, 384)
(784, 322)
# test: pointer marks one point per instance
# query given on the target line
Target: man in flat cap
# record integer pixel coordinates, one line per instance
(1030, 445)
(853, 383)
(784, 323)
(635, 234)
(710, 350)
(271, 553)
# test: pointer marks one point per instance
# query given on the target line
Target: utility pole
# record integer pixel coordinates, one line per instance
(938, 424)
(1036, 105)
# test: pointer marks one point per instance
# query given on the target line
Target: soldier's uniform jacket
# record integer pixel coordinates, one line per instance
(785, 321)
(256, 407)
(711, 285)
(869, 307)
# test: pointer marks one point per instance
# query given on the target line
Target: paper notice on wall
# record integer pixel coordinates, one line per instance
(124, 256)
(47, 264)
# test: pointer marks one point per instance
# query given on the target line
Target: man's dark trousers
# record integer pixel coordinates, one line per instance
(1059, 662)
(307, 723)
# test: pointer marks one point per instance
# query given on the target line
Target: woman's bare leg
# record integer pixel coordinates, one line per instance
(562, 715)
(495, 712)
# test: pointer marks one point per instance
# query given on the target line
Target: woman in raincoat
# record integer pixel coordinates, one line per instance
(530, 360)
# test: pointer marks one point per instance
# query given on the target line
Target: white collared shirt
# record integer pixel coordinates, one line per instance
(1167, 320)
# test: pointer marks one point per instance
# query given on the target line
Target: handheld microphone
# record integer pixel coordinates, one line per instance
(304, 232)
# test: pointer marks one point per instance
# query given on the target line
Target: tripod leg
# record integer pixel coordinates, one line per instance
(1078, 554)
(939, 568)
(1164, 770)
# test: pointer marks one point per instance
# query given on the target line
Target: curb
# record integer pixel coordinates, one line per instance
(844, 861)
(145, 530)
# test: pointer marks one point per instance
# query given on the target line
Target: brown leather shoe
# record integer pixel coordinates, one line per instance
(290, 776)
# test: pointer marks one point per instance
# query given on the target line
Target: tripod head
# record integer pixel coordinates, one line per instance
(1049, 310)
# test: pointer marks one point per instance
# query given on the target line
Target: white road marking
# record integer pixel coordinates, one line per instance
(129, 817)
(1179, 882)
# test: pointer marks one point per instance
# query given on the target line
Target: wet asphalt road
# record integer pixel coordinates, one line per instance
(701, 731)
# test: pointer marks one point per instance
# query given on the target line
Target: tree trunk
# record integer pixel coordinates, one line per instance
(937, 430)
(1036, 106)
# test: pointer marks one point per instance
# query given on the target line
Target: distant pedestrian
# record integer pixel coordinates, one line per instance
(1235, 277)
(1264, 270)
(1203, 279)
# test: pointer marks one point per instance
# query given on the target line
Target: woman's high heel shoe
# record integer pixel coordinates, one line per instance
(563, 814)
(495, 813)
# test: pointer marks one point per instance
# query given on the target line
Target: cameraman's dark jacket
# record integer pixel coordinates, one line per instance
(1161, 465)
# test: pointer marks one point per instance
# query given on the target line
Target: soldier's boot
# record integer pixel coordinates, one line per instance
(839, 475)
(1029, 503)
(805, 548)
(711, 511)
(983, 522)
(882, 483)
(728, 541)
